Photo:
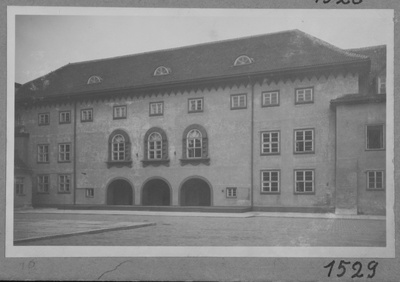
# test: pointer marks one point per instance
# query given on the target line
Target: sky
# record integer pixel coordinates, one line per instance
(48, 39)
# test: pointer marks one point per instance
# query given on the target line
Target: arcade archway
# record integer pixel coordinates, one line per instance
(195, 192)
(156, 192)
(120, 192)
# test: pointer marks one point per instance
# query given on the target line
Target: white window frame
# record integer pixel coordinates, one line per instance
(44, 119)
(43, 153)
(86, 115)
(268, 146)
(43, 183)
(120, 112)
(374, 177)
(304, 141)
(64, 183)
(161, 70)
(194, 146)
(198, 104)
(243, 60)
(231, 192)
(89, 192)
(64, 152)
(238, 101)
(381, 85)
(118, 152)
(304, 181)
(156, 108)
(266, 185)
(65, 117)
(154, 148)
(19, 186)
(382, 141)
(304, 93)
(268, 99)
(94, 79)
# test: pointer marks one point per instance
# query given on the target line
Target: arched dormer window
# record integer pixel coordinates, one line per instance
(94, 79)
(243, 60)
(161, 70)
(155, 148)
(195, 146)
(119, 149)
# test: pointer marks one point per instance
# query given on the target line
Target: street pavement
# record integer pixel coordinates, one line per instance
(200, 229)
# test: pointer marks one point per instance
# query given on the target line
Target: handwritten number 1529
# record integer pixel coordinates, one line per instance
(345, 2)
(357, 267)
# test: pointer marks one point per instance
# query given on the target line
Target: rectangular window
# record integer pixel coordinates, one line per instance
(195, 105)
(238, 101)
(270, 181)
(375, 140)
(231, 192)
(382, 85)
(375, 180)
(19, 186)
(43, 153)
(119, 112)
(270, 99)
(269, 142)
(89, 192)
(65, 117)
(156, 109)
(44, 119)
(304, 181)
(64, 152)
(64, 183)
(86, 115)
(304, 141)
(43, 184)
(304, 95)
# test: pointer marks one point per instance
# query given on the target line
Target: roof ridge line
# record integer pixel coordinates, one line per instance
(333, 47)
(187, 46)
(368, 47)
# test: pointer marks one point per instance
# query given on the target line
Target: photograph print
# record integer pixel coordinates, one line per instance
(194, 128)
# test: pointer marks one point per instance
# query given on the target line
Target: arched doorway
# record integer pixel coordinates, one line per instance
(195, 192)
(156, 192)
(119, 192)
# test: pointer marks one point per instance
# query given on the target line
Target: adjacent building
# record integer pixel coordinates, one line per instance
(276, 122)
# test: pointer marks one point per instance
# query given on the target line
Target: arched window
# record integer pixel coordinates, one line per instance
(243, 60)
(119, 149)
(155, 148)
(195, 146)
(162, 71)
(94, 79)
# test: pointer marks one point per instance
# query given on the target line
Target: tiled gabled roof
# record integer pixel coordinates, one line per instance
(377, 54)
(281, 51)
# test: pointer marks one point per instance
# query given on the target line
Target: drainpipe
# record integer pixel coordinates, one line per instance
(252, 146)
(74, 163)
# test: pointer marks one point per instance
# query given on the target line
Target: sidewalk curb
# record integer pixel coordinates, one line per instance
(95, 231)
(200, 214)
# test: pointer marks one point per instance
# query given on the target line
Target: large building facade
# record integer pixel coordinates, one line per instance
(280, 122)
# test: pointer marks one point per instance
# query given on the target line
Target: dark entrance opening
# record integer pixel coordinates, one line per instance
(195, 192)
(119, 193)
(156, 192)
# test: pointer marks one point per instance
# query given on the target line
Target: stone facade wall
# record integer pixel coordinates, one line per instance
(353, 160)
(286, 118)
(228, 131)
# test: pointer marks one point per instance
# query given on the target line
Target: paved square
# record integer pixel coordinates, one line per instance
(241, 230)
